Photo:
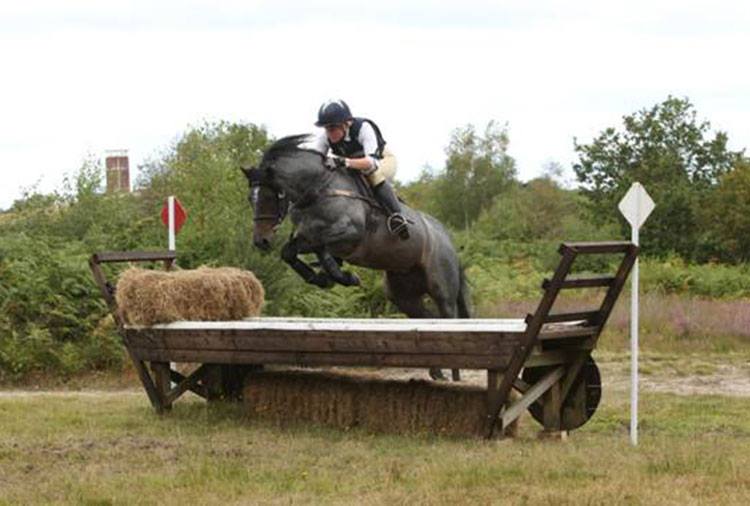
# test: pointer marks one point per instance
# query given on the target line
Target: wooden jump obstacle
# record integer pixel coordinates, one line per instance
(546, 356)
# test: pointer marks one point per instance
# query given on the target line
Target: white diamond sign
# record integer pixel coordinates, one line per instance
(636, 205)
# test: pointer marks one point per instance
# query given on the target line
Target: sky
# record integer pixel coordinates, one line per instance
(83, 76)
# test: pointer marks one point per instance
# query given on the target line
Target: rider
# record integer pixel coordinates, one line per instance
(356, 143)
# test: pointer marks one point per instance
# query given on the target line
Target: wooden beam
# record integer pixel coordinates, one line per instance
(531, 395)
(531, 337)
(162, 382)
(584, 316)
(598, 247)
(196, 388)
(186, 384)
(319, 359)
(569, 332)
(583, 282)
(324, 341)
(134, 256)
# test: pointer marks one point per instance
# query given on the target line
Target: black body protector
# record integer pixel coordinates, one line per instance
(350, 147)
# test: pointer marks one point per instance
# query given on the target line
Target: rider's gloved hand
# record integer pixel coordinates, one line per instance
(335, 162)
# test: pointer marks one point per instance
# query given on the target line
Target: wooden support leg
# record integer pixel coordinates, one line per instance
(493, 401)
(162, 380)
(552, 409)
(148, 384)
(214, 382)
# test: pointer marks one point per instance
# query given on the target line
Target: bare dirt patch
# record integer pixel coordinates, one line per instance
(688, 375)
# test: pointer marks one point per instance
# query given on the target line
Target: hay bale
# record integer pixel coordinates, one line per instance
(146, 297)
(377, 405)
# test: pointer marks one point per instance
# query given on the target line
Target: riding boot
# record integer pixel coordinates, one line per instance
(387, 198)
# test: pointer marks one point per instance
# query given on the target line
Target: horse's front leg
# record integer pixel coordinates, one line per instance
(332, 267)
(289, 254)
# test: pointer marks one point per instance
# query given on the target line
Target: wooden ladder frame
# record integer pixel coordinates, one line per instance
(157, 383)
(555, 385)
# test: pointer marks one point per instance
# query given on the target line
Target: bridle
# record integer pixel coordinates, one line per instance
(261, 179)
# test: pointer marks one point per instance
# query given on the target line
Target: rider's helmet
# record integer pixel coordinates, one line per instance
(333, 112)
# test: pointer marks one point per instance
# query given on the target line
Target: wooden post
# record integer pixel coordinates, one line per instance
(493, 400)
(163, 382)
(552, 409)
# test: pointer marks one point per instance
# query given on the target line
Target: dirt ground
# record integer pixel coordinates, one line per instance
(688, 375)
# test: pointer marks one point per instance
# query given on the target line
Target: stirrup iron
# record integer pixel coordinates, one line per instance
(397, 225)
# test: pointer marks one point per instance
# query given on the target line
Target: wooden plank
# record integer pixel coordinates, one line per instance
(551, 407)
(583, 282)
(530, 338)
(448, 326)
(569, 317)
(547, 335)
(196, 388)
(531, 395)
(521, 385)
(106, 289)
(598, 247)
(570, 375)
(162, 382)
(186, 384)
(146, 381)
(613, 293)
(554, 357)
(134, 256)
(322, 342)
(323, 359)
(494, 402)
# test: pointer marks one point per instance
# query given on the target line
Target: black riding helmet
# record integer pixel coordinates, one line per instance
(333, 112)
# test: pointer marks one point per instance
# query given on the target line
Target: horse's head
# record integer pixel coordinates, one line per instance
(269, 204)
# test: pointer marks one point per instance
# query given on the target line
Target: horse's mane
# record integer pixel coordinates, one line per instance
(287, 145)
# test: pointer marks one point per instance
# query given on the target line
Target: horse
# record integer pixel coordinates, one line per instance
(336, 220)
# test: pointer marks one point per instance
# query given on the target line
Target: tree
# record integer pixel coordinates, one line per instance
(726, 218)
(673, 155)
(478, 169)
(538, 210)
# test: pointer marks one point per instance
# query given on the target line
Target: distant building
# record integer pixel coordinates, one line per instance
(118, 170)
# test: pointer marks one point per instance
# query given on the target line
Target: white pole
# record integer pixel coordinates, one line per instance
(634, 347)
(170, 205)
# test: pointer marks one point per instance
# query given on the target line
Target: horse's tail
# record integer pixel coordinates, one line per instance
(464, 296)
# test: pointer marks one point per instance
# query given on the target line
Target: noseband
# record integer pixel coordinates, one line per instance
(261, 179)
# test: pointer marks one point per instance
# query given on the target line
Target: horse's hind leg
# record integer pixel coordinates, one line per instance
(406, 291)
(415, 308)
(448, 310)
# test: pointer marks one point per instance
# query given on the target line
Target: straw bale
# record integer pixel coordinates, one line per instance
(377, 405)
(146, 297)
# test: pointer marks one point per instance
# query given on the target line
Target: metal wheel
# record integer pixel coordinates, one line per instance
(582, 400)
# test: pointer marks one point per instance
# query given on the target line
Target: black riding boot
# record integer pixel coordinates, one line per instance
(387, 198)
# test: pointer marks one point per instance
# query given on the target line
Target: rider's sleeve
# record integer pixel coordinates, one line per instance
(318, 142)
(369, 142)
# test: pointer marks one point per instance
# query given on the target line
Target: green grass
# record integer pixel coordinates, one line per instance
(79, 448)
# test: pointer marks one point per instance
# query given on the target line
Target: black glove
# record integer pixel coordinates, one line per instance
(335, 162)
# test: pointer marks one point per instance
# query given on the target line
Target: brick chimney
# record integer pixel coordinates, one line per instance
(118, 170)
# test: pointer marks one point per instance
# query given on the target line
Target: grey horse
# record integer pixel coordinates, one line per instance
(335, 219)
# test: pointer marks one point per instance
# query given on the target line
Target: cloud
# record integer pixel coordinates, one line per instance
(86, 76)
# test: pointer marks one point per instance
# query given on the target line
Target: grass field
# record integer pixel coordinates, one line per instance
(108, 447)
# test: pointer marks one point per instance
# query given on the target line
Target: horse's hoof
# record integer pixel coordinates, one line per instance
(351, 279)
(322, 280)
(437, 374)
